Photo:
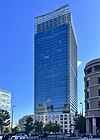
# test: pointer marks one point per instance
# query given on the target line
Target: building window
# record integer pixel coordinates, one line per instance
(98, 80)
(65, 118)
(61, 130)
(88, 94)
(88, 106)
(61, 122)
(89, 70)
(88, 83)
(98, 92)
(97, 68)
(98, 104)
(69, 119)
(61, 118)
(65, 122)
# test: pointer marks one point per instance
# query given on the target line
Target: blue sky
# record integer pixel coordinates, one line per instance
(17, 44)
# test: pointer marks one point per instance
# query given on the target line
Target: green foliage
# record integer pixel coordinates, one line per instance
(4, 119)
(7, 129)
(80, 124)
(51, 127)
(29, 125)
(38, 126)
(16, 129)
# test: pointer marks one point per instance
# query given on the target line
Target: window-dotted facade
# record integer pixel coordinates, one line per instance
(5, 100)
(92, 96)
(65, 121)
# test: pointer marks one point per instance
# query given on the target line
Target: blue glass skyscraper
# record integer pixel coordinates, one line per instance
(55, 82)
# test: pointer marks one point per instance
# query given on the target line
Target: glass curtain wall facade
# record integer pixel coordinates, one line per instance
(55, 83)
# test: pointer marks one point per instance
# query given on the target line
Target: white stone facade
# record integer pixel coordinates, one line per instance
(66, 121)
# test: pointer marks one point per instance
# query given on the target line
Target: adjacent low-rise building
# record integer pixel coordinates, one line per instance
(65, 121)
(92, 96)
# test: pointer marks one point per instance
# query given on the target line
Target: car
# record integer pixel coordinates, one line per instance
(19, 136)
(43, 135)
(68, 134)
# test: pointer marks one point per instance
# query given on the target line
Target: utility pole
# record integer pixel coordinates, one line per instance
(82, 115)
(12, 119)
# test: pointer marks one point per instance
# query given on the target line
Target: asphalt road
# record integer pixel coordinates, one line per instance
(89, 139)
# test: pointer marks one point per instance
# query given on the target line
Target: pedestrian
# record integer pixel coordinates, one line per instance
(88, 136)
(3, 137)
(6, 136)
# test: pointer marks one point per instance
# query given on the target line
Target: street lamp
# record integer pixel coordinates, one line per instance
(12, 119)
(82, 108)
(82, 115)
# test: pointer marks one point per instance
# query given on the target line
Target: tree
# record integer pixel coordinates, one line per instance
(16, 129)
(29, 125)
(7, 129)
(4, 119)
(38, 126)
(56, 127)
(51, 127)
(48, 127)
(80, 124)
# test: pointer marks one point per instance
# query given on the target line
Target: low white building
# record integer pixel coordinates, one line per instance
(66, 120)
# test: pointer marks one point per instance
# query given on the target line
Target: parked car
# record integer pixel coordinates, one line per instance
(68, 134)
(19, 136)
(43, 135)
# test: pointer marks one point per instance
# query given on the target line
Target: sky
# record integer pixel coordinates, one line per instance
(17, 45)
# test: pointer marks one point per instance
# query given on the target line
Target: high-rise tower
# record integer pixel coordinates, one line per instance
(5, 100)
(55, 89)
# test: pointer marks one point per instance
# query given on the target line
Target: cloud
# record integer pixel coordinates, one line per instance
(79, 63)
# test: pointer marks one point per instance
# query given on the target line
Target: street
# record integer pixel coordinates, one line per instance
(61, 137)
(89, 139)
